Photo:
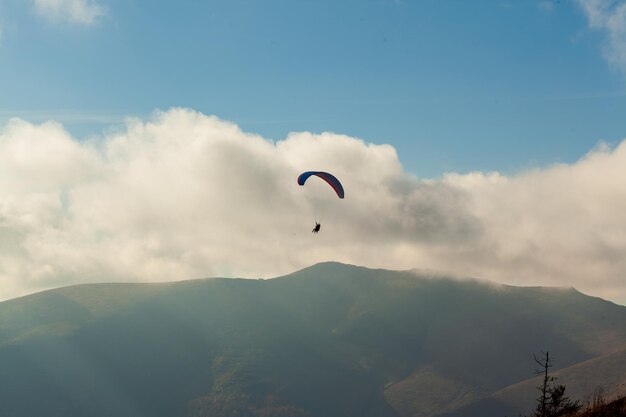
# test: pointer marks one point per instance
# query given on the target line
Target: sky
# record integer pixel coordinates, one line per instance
(155, 141)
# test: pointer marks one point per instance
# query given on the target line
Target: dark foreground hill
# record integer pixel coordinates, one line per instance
(615, 408)
(330, 340)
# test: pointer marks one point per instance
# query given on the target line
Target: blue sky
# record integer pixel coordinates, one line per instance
(452, 85)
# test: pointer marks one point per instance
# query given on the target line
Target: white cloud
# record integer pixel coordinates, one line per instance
(76, 11)
(609, 16)
(185, 195)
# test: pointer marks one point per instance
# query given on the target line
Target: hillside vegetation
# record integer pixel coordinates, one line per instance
(615, 408)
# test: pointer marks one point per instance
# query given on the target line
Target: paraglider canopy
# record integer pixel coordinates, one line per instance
(329, 178)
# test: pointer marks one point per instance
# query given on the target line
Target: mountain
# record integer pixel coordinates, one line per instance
(603, 375)
(329, 340)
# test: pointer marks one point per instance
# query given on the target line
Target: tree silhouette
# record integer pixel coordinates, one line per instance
(552, 401)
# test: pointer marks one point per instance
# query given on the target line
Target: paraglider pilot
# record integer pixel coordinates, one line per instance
(330, 179)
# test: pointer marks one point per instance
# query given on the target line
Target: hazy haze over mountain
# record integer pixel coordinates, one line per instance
(329, 340)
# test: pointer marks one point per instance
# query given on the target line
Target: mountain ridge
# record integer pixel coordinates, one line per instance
(328, 340)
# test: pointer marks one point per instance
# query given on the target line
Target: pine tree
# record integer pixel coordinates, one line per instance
(552, 401)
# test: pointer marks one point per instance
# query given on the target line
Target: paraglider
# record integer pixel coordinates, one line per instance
(330, 179)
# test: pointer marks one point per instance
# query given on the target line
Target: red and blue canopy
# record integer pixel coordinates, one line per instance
(329, 178)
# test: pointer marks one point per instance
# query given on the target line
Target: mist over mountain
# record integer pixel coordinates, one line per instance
(329, 340)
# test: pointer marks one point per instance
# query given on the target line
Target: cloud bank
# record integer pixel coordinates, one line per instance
(610, 17)
(83, 12)
(184, 195)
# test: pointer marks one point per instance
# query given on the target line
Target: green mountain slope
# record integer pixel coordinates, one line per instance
(330, 340)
